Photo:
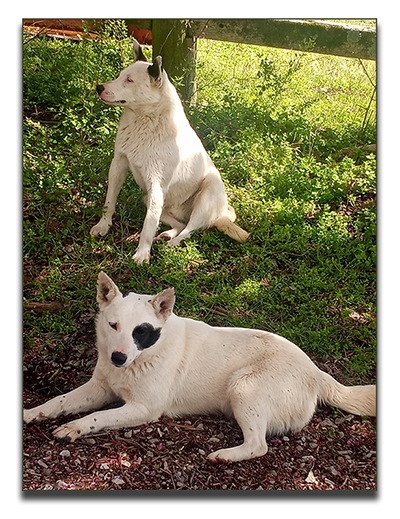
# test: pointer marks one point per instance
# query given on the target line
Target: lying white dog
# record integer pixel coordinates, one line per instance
(161, 364)
(167, 159)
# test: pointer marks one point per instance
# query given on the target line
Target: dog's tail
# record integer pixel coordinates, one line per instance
(360, 400)
(225, 224)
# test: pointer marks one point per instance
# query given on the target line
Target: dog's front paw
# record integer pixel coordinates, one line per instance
(69, 431)
(141, 256)
(101, 229)
(31, 414)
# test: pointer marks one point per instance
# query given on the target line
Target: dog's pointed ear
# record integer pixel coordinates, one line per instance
(107, 290)
(137, 50)
(163, 303)
(155, 71)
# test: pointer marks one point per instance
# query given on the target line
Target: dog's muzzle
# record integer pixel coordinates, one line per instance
(118, 358)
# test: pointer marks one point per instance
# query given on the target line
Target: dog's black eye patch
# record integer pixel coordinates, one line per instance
(145, 335)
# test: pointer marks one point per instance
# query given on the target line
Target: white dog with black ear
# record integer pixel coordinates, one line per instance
(167, 159)
(161, 364)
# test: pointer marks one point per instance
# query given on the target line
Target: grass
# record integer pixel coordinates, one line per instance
(275, 123)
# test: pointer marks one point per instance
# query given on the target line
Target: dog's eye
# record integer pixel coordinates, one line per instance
(140, 330)
(129, 79)
(113, 325)
(145, 335)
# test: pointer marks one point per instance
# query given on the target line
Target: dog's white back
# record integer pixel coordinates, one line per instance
(159, 363)
(167, 159)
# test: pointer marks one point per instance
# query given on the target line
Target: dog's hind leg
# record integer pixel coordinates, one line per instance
(176, 227)
(254, 442)
(208, 203)
(210, 209)
(116, 179)
(250, 413)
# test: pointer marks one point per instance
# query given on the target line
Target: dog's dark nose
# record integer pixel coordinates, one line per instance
(118, 358)
(99, 89)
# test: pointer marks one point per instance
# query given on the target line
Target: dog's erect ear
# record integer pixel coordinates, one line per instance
(137, 50)
(163, 303)
(155, 71)
(106, 290)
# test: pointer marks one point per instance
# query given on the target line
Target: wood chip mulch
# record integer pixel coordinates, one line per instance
(336, 451)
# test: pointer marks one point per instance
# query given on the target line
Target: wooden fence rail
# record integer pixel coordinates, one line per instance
(305, 35)
(175, 40)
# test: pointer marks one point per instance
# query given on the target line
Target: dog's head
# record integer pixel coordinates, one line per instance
(130, 324)
(139, 84)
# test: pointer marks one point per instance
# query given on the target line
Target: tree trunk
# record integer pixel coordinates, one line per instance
(173, 41)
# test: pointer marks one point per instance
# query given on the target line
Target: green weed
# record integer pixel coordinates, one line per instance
(275, 123)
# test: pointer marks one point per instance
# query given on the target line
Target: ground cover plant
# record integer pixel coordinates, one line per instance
(288, 131)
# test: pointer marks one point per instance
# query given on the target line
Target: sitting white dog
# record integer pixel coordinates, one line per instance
(167, 159)
(161, 364)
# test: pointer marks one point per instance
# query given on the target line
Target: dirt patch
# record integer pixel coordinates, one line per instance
(336, 451)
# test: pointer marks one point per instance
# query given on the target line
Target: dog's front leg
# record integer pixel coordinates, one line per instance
(91, 395)
(116, 179)
(155, 201)
(129, 415)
